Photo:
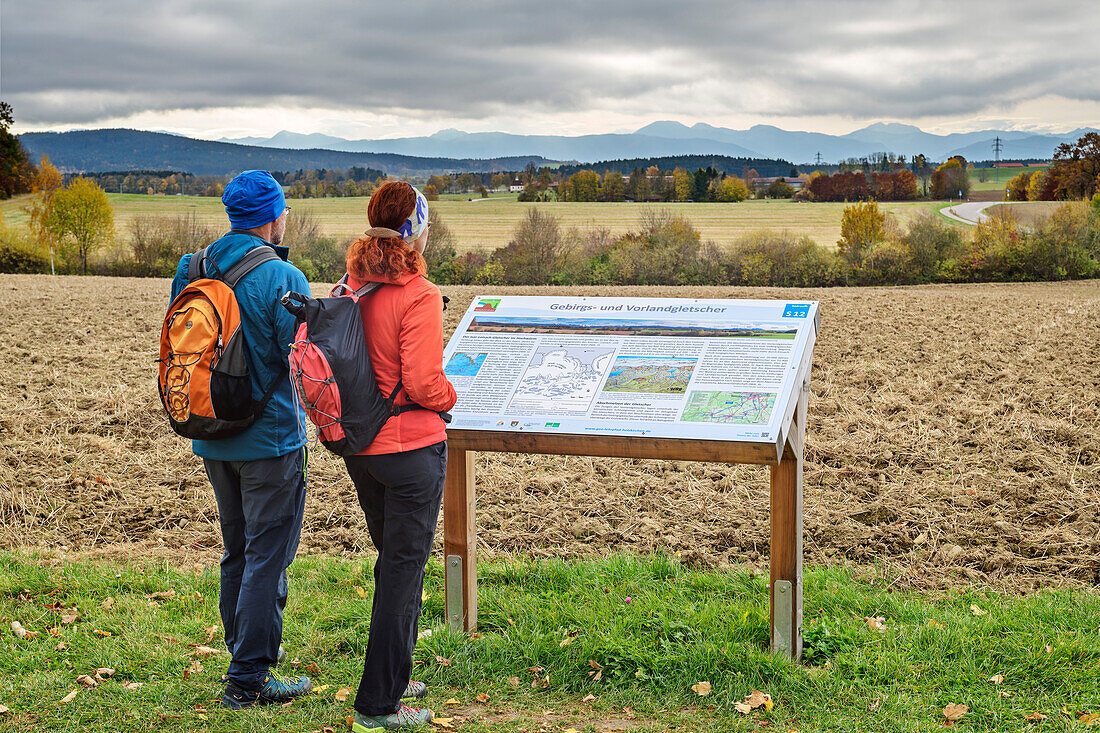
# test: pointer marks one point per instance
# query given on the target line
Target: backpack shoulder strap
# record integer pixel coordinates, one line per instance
(343, 285)
(195, 267)
(252, 259)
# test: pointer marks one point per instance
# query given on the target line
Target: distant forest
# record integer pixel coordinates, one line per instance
(768, 167)
(122, 150)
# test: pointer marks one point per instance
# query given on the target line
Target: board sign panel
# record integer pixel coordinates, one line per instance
(653, 367)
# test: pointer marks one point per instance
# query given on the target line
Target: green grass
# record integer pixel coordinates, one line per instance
(680, 627)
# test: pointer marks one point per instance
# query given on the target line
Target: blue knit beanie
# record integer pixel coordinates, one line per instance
(252, 199)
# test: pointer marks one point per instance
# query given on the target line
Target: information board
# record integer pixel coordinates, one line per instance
(654, 367)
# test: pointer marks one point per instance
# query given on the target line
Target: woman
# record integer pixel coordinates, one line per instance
(399, 476)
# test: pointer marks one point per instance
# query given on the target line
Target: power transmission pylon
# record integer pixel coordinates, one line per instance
(817, 160)
(996, 155)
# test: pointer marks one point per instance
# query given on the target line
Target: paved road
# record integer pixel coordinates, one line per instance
(968, 213)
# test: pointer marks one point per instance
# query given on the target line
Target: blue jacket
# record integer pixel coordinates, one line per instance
(268, 330)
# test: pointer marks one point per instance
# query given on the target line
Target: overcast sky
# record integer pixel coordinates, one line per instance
(394, 68)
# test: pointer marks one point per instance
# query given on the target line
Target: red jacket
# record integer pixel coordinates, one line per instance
(403, 322)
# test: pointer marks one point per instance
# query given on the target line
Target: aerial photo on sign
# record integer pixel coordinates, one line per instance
(703, 369)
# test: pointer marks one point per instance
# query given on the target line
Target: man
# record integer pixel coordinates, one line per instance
(259, 475)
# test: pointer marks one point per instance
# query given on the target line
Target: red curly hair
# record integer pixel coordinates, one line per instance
(388, 257)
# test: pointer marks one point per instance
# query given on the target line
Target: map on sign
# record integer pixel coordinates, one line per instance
(563, 378)
(675, 368)
(745, 408)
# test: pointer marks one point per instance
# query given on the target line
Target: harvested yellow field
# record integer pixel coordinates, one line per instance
(489, 223)
(954, 436)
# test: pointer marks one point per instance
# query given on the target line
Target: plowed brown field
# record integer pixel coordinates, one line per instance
(954, 435)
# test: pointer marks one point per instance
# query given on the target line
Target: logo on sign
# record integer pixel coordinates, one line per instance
(796, 310)
(487, 305)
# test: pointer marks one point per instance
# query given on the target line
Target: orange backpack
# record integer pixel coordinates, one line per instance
(203, 379)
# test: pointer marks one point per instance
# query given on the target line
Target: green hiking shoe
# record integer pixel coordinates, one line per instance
(406, 717)
(415, 690)
(279, 689)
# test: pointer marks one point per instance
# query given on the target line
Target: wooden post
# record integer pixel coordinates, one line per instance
(460, 541)
(786, 538)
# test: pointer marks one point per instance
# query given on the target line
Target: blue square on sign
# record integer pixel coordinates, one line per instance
(796, 310)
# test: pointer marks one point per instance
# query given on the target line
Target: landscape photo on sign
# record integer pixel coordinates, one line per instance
(656, 374)
(464, 365)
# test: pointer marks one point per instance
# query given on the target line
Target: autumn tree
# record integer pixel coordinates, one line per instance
(535, 250)
(44, 185)
(613, 188)
(682, 183)
(583, 186)
(1017, 187)
(638, 185)
(950, 180)
(731, 189)
(1076, 168)
(81, 219)
(862, 226)
(1037, 186)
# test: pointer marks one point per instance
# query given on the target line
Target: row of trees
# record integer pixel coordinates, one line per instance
(1074, 173)
(873, 248)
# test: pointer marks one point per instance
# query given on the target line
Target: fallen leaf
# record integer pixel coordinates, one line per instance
(876, 623)
(320, 689)
(103, 673)
(424, 596)
(742, 708)
(205, 651)
(597, 675)
(70, 696)
(105, 480)
(874, 706)
(210, 633)
(107, 604)
(443, 722)
(362, 593)
(482, 697)
(566, 641)
(94, 631)
(569, 730)
(588, 698)
(936, 624)
(200, 708)
(342, 694)
(196, 667)
(60, 647)
(702, 689)
(997, 679)
(86, 680)
(513, 681)
(1089, 719)
(131, 685)
(977, 611)
(4, 710)
(442, 661)
(161, 595)
(954, 711)
(1049, 648)
(424, 634)
(19, 631)
(1035, 716)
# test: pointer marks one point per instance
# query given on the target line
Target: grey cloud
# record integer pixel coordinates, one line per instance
(76, 61)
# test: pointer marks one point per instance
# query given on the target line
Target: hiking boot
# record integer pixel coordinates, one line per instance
(415, 690)
(278, 689)
(237, 698)
(406, 717)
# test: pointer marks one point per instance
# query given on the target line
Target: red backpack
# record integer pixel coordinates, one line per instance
(331, 370)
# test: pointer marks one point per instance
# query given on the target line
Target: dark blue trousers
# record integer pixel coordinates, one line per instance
(400, 494)
(260, 507)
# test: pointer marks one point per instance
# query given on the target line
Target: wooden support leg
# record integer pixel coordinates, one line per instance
(460, 541)
(786, 558)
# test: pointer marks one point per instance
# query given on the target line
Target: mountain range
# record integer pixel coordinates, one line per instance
(669, 138)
